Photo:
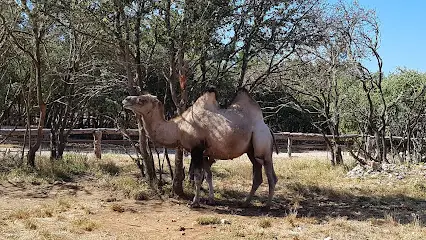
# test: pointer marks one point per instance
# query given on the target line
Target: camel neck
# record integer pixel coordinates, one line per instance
(160, 131)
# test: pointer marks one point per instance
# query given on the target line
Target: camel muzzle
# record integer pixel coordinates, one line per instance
(128, 102)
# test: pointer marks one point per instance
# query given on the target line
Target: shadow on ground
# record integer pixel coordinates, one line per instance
(35, 190)
(323, 203)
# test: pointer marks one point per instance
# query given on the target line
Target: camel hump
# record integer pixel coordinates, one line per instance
(243, 96)
(208, 99)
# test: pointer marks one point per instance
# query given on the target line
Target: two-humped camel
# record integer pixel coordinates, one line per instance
(205, 129)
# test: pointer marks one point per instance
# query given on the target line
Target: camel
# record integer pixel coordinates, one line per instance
(206, 130)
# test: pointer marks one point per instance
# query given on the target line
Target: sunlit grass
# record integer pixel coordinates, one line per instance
(208, 220)
(313, 199)
(84, 224)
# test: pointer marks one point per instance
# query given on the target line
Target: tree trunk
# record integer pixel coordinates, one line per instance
(379, 146)
(34, 148)
(53, 144)
(148, 161)
(166, 155)
(61, 149)
(97, 139)
(179, 173)
(42, 107)
(332, 153)
(120, 21)
(41, 104)
(384, 149)
(337, 150)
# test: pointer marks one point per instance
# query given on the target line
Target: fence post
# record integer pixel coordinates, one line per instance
(289, 143)
(97, 139)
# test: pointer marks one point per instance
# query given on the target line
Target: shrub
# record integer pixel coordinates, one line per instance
(208, 220)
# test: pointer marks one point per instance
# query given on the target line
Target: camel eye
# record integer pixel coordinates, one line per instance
(141, 100)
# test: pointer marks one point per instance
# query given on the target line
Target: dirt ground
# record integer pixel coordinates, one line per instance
(55, 212)
(153, 219)
(82, 209)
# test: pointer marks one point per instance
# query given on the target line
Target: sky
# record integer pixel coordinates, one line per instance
(403, 33)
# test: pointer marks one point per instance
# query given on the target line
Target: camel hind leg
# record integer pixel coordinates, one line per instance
(272, 179)
(262, 146)
(257, 177)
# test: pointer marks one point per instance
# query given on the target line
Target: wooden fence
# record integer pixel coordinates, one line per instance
(97, 137)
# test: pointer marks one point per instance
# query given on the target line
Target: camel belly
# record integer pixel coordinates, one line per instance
(222, 137)
(223, 155)
(228, 146)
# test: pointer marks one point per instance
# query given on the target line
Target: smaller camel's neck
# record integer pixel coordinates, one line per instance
(160, 131)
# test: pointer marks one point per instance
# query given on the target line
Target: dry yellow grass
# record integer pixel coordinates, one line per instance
(208, 220)
(313, 201)
(84, 224)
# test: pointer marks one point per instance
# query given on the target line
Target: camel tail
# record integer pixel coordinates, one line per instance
(275, 142)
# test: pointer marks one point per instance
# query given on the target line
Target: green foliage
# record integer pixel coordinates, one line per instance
(295, 56)
(83, 55)
(405, 91)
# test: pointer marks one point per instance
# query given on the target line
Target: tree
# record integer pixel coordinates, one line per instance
(28, 34)
(363, 38)
(405, 91)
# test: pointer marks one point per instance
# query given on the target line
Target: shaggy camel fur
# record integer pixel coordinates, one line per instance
(205, 129)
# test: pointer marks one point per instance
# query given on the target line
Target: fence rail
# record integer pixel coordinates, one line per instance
(285, 140)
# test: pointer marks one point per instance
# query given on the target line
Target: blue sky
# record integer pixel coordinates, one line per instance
(403, 33)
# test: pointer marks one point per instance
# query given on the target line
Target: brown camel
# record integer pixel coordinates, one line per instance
(205, 129)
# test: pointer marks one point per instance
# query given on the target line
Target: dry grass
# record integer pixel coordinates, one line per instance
(265, 223)
(111, 175)
(46, 171)
(43, 211)
(117, 208)
(130, 186)
(313, 201)
(30, 224)
(208, 220)
(9, 145)
(21, 214)
(85, 224)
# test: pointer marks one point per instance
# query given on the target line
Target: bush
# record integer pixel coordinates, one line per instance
(9, 161)
(208, 220)
(64, 169)
(109, 168)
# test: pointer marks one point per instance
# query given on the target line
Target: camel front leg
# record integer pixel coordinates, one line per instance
(209, 178)
(197, 165)
(198, 178)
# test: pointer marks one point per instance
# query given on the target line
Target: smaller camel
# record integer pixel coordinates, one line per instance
(206, 130)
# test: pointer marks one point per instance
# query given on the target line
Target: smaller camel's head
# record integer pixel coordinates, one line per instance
(142, 104)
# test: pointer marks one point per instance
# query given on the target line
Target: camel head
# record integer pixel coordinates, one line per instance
(142, 104)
